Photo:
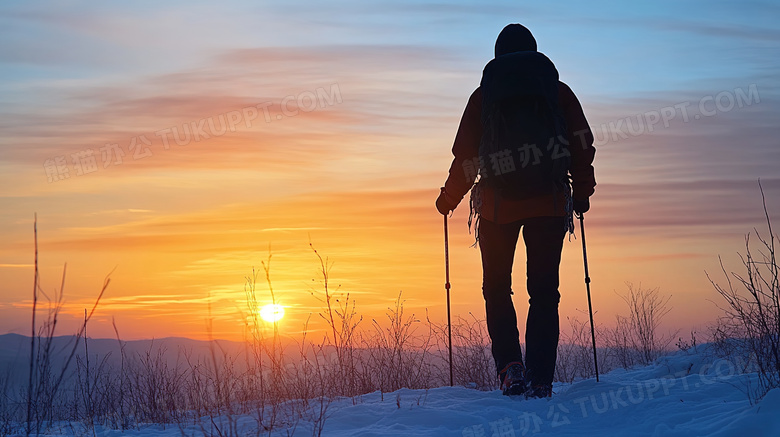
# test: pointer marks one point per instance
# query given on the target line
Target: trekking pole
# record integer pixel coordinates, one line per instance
(447, 287)
(587, 285)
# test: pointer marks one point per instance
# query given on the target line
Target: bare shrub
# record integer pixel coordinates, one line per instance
(472, 360)
(575, 353)
(395, 356)
(750, 326)
(343, 320)
(620, 343)
(636, 338)
(10, 408)
(47, 377)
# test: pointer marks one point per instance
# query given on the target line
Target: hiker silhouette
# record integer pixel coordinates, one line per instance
(512, 87)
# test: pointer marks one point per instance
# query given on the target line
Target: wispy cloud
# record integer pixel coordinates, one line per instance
(683, 208)
(243, 109)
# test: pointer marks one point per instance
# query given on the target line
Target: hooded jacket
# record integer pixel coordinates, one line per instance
(465, 149)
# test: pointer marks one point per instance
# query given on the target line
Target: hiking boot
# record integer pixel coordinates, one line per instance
(539, 391)
(513, 379)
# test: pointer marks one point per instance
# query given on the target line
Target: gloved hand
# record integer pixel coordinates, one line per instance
(443, 204)
(581, 206)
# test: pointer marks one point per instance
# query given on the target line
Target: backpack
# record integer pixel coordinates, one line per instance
(524, 150)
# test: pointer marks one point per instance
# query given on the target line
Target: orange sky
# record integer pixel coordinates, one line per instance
(339, 136)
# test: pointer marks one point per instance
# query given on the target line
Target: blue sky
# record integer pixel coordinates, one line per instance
(669, 43)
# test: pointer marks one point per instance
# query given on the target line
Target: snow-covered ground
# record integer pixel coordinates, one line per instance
(686, 394)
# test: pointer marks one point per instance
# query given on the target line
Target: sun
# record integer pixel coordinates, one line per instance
(272, 312)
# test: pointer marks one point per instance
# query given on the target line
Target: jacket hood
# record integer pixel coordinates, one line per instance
(515, 38)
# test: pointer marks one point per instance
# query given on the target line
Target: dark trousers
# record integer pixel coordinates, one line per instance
(543, 238)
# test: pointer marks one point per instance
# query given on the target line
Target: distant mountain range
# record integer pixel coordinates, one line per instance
(173, 351)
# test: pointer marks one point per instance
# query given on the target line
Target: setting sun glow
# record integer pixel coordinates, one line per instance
(272, 312)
